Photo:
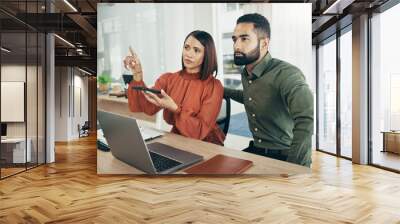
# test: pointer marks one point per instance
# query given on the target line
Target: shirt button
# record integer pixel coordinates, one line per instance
(250, 82)
(250, 99)
(255, 129)
(253, 115)
(259, 140)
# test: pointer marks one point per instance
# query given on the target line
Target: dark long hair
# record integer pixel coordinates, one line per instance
(210, 64)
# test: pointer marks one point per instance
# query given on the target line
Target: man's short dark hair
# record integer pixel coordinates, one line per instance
(261, 24)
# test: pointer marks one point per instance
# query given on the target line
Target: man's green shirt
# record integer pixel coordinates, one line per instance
(280, 108)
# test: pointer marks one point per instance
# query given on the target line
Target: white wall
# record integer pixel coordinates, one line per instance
(155, 31)
(61, 103)
(33, 127)
(69, 85)
(16, 73)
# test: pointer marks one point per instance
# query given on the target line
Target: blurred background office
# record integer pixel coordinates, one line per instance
(157, 32)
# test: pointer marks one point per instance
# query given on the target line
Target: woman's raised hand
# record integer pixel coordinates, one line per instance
(132, 63)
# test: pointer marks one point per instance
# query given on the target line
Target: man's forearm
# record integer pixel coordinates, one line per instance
(236, 95)
(300, 150)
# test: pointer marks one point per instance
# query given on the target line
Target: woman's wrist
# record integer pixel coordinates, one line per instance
(138, 76)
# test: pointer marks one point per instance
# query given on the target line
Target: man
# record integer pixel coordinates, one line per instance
(277, 99)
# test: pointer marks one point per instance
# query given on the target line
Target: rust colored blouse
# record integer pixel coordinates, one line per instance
(199, 103)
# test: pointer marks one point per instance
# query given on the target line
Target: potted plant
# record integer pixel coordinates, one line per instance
(104, 81)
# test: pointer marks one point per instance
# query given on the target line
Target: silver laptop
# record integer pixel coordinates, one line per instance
(127, 144)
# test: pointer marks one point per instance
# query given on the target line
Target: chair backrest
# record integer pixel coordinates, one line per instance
(224, 115)
(86, 125)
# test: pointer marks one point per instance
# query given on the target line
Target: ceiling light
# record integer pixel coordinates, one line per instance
(70, 5)
(65, 41)
(5, 50)
(84, 71)
(337, 7)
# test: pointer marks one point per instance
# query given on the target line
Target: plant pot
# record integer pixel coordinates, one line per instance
(104, 87)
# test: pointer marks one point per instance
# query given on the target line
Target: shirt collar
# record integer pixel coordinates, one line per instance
(258, 71)
(190, 76)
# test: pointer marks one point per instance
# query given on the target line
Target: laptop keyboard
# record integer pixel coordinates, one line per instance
(162, 163)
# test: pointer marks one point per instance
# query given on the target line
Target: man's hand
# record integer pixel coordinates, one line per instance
(165, 102)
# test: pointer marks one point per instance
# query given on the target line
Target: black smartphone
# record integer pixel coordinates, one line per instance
(142, 88)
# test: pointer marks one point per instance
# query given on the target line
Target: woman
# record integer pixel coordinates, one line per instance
(191, 98)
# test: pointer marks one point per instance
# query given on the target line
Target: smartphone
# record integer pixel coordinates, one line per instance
(142, 88)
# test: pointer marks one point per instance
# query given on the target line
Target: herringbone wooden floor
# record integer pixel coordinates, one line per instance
(70, 191)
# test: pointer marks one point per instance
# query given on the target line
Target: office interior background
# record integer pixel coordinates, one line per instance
(45, 82)
(54, 57)
(48, 72)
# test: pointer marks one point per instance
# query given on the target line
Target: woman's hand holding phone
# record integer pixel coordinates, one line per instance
(145, 89)
(165, 101)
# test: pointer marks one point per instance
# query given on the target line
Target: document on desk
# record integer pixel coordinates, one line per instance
(221, 164)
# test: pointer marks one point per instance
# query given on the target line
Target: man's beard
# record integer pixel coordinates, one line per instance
(248, 58)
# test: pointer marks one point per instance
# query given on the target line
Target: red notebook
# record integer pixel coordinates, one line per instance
(220, 164)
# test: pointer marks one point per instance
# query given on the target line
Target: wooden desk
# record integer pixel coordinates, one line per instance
(14, 150)
(108, 164)
(120, 106)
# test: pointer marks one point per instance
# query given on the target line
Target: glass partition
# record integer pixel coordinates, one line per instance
(22, 87)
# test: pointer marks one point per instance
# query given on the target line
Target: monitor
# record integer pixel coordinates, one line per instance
(127, 78)
(3, 129)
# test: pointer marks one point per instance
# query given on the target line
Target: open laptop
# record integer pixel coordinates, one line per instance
(147, 134)
(127, 144)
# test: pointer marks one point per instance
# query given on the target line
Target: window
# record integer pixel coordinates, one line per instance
(346, 94)
(385, 88)
(327, 97)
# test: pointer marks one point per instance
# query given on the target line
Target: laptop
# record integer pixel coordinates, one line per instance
(127, 144)
(147, 134)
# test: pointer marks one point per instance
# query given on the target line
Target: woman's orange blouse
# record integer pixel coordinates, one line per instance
(199, 103)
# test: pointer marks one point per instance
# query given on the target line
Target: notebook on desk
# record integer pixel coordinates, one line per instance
(221, 164)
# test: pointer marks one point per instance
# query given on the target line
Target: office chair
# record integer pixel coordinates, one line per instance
(224, 115)
(127, 79)
(84, 130)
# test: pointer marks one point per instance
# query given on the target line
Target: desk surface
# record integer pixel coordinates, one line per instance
(119, 105)
(390, 132)
(108, 164)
